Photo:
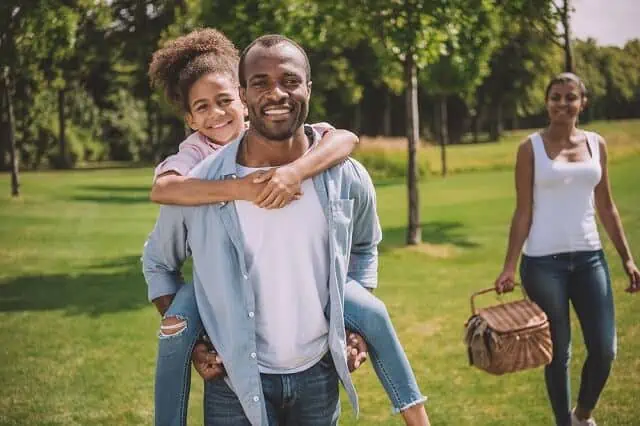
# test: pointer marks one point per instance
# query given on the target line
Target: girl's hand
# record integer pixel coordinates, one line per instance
(250, 188)
(282, 187)
(505, 281)
(634, 276)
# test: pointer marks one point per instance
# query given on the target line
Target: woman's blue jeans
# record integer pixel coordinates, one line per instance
(581, 278)
(364, 314)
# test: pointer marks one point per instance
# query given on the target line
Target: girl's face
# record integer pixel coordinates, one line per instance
(564, 102)
(215, 109)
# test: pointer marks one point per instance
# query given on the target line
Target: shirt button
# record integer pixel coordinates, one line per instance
(253, 355)
(245, 276)
(256, 399)
(251, 314)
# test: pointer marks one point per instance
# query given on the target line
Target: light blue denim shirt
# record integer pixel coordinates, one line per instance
(211, 234)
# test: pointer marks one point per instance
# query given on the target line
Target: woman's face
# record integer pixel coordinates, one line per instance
(564, 102)
(215, 109)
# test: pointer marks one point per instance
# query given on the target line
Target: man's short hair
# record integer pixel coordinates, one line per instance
(271, 40)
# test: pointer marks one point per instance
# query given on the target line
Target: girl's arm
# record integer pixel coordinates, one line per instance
(173, 188)
(610, 218)
(521, 221)
(172, 185)
(283, 183)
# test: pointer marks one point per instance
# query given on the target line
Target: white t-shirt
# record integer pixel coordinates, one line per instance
(563, 218)
(287, 256)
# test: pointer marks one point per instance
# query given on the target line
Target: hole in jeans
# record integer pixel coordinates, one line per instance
(172, 326)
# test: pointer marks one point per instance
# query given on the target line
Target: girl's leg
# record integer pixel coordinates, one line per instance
(367, 315)
(179, 330)
(546, 279)
(592, 299)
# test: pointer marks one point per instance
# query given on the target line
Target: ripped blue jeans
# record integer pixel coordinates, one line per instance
(364, 314)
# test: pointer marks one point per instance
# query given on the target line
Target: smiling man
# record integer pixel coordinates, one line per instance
(270, 283)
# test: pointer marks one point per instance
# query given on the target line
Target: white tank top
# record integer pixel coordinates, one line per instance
(563, 202)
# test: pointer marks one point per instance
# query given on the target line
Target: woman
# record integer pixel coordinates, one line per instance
(561, 181)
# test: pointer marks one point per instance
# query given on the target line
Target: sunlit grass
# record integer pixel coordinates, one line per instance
(78, 338)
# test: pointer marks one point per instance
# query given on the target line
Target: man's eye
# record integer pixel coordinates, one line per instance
(291, 82)
(225, 102)
(258, 84)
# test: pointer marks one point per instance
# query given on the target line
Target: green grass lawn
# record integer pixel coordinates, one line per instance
(78, 338)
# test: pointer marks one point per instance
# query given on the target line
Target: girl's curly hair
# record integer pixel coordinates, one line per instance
(182, 61)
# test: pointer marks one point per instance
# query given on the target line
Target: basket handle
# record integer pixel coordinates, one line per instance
(489, 290)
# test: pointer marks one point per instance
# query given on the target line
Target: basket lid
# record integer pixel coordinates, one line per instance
(513, 316)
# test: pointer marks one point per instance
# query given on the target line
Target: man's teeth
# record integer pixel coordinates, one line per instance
(277, 111)
(217, 126)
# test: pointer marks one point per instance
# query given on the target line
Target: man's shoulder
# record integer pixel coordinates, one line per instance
(352, 177)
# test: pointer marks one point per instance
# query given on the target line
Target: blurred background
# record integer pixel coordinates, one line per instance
(74, 72)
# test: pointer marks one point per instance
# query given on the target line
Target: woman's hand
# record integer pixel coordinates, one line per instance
(634, 276)
(282, 185)
(505, 281)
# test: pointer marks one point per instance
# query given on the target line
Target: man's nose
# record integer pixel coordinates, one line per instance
(277, 94)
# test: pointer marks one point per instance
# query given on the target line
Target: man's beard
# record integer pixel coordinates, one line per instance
(278, 131)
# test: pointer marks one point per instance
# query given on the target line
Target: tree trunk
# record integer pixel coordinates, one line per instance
(64, 161)
(10, 123)
(496, 124)
(566, 35)
(414, 232)
(151, 139)
(386, 118)
(444, 133)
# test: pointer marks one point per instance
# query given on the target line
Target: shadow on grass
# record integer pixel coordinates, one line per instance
(113, 194)
(438, 232)
(105, 288)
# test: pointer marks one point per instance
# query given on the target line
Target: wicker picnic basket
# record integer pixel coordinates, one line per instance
(508, 337)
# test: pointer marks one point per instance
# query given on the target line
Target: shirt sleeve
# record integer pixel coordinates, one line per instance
(367, 234)
(322, 128)
(188, 156)
(164, 253)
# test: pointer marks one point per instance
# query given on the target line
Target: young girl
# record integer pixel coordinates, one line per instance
(198, 73)
(561, 182)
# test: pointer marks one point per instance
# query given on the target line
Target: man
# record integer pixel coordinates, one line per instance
(270, 283)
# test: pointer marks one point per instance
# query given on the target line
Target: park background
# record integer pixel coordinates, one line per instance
(440, 92)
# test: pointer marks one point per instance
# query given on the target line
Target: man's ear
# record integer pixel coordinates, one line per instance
(309, 84)
(243, 96)
(188, 118)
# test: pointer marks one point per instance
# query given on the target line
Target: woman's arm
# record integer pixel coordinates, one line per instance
(283, 183)
(521, 221)
(610, 218)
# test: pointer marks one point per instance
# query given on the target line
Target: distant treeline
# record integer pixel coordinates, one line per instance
(75, 89)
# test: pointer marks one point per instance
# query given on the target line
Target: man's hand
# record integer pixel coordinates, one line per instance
(207, 363)
(282, 187)
(162, 303)
(356, 351)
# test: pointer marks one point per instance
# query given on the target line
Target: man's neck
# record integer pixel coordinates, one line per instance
(258, 151)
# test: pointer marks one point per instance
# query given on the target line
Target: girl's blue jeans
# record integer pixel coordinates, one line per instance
(581, 278)
(364, 314)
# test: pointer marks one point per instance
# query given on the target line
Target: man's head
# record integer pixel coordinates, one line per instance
(275, 86)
